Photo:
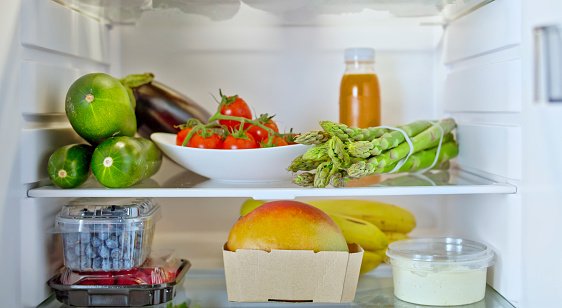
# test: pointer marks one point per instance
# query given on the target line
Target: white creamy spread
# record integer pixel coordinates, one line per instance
(451, 286)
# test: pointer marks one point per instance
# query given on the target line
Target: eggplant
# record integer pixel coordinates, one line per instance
(161, 109)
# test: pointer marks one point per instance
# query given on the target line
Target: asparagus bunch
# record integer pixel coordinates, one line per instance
(341, 153)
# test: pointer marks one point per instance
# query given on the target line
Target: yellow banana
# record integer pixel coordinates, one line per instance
(387, 217)
(371, 259)
(395, 236)
(357, 231)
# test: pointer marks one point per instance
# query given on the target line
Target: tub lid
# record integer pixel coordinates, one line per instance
(434, 252)
(136, 213)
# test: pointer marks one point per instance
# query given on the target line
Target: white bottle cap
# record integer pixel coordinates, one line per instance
(359, 54)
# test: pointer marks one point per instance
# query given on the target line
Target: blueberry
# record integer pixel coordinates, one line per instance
(70, 255)
(116, 254)
(111, 242)
(70, 239)
(103, 251)
(90, 251)
(85, 237)
(106, 265)
(85, 263)
(96, 263)
(74, 264)
(96, 241)
(77, 249)
(103, 235)
(127, 264)
(117, 264)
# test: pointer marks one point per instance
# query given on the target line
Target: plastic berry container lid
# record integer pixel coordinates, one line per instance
(438, 254)
(131, 214)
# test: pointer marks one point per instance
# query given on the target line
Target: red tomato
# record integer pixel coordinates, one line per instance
(277, 142)
(233, 142)
(260, 133)
(182, 134)
(211, 141)
(236, 107)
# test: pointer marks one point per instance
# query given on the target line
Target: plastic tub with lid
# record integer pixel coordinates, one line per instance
(439, 271)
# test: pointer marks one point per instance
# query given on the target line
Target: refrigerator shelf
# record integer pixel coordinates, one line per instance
(128, 12)
(207, 288)
(178, 182)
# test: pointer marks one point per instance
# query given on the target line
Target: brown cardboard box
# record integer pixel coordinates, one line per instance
(292, 275)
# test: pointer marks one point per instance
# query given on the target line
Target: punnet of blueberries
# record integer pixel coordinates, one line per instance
(106, 235)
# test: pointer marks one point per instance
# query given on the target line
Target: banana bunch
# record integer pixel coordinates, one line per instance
(371, 224)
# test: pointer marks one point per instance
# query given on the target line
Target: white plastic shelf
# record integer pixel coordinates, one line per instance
(178, 182)
(130, 11)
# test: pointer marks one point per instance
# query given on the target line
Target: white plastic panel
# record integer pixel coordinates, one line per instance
(37, 147)
(492, 149)
(51, 26)
(41, 252)
(485, 88)
(486, 29)
(45, 87)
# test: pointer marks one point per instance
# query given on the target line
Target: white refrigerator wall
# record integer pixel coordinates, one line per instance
(478, 70)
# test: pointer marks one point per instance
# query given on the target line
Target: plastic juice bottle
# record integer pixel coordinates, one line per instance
(360, 101)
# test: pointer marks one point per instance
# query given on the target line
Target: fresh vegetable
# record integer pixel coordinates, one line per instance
(274, 141)
(69, 166)
(260, 133)
(239, 139)
(234, 106)
(351, 153)
(124, 161)
(160, 108)
(98, 107)
(207, 139)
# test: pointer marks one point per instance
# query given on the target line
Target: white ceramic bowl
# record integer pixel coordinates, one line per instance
(248, 165)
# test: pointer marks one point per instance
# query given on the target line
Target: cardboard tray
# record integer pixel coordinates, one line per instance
(292, 275)
(117, 295)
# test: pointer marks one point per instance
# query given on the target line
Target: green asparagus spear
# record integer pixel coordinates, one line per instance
(345, 132)
(304, 179)
(338, 153)
(365, 149)
(302, 164)
(394, 138)
(322, 175)
(313, 137)
(318, 152)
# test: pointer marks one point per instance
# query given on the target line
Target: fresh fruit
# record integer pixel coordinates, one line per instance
(236, 107)
(288, 225)
(208, 139)
(387, 217)
(395, 236)
(371, 260)
(98, 107)
(260, 133)
(269, 142)
(239, 139)
(124, 161)
(69, 166)
(357, 231)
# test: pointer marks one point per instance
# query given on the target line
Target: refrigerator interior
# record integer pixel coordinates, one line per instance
(472, 60)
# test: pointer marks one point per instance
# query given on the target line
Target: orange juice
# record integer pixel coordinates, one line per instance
(360, 102)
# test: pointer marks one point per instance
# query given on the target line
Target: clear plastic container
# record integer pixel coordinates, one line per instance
(106, 235)
(439, 271)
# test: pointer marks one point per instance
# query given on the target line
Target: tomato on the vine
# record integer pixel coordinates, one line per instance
(276, 142)
(204, 140)
(290, 138)
(260, 133)
(236, 107)
(239, 140)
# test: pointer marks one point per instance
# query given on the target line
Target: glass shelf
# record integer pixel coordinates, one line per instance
(174, 181)
(207, 288)
(127, 12)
